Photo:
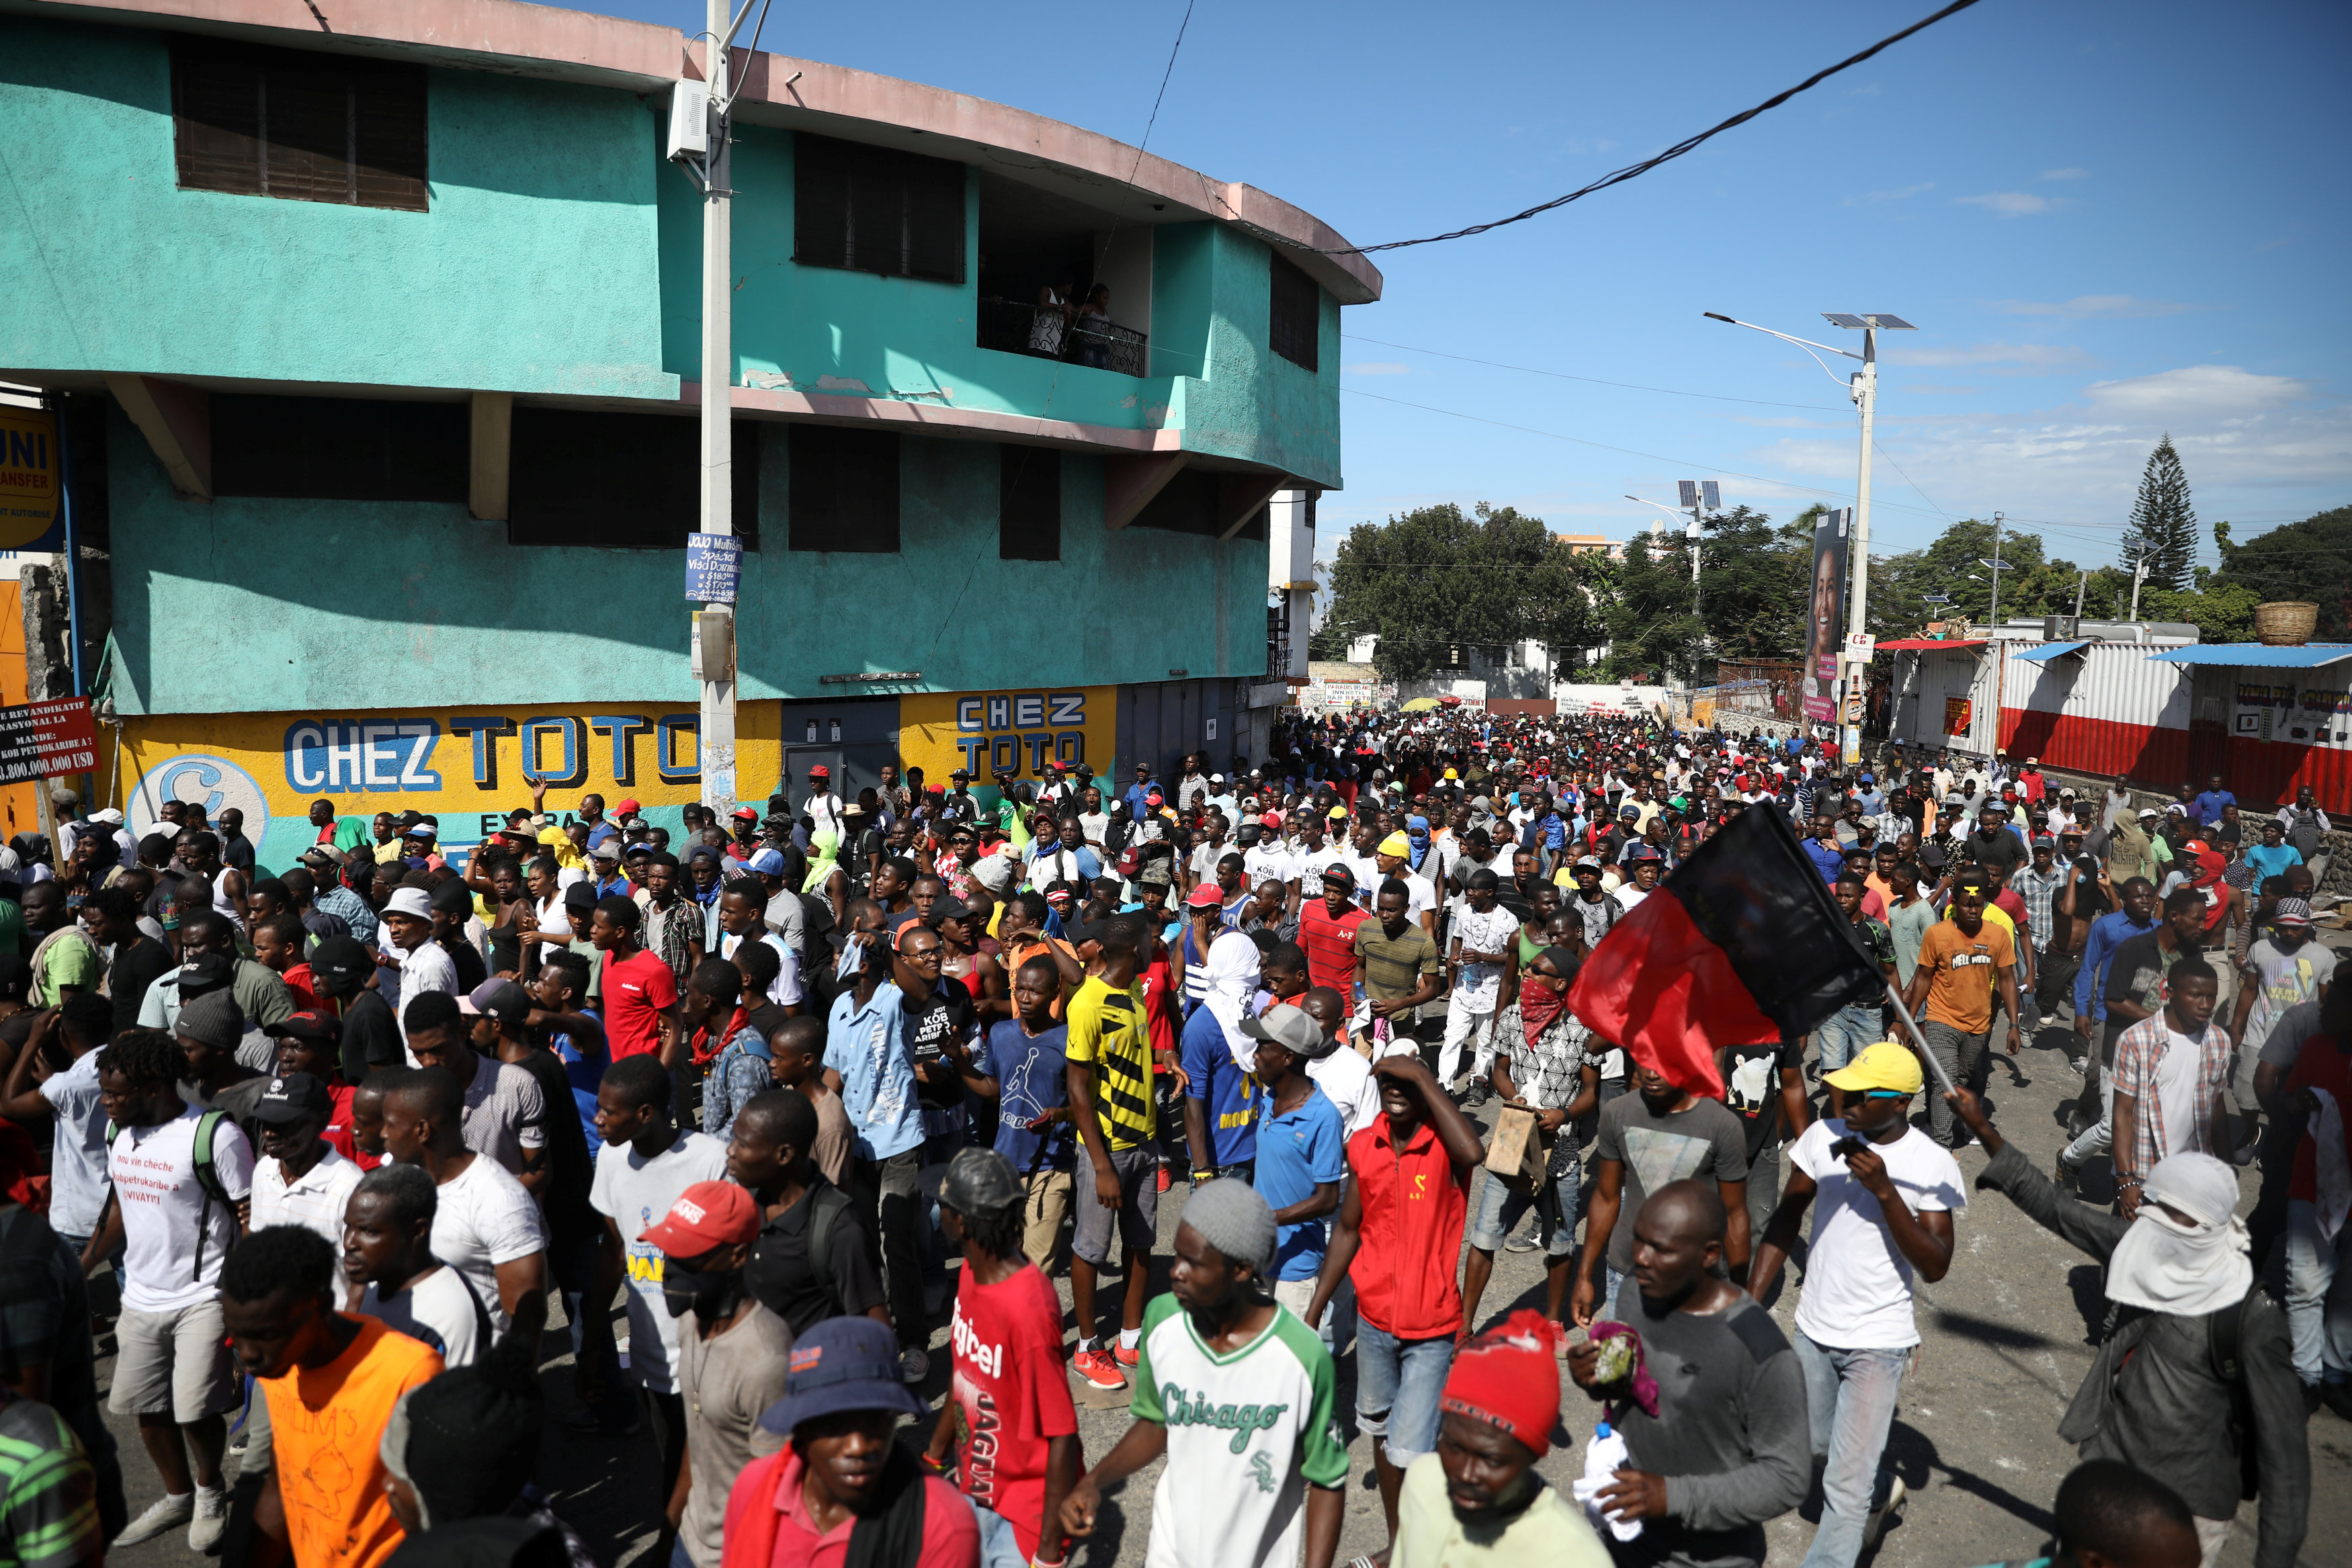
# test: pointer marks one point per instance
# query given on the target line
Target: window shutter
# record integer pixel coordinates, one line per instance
(869, 209)
(298, 126)
(1294, 315)
(1029, 514)
(845, 490)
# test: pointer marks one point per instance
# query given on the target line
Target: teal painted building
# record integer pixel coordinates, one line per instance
(377, 353)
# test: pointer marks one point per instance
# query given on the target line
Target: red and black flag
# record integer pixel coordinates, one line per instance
(1743, 943)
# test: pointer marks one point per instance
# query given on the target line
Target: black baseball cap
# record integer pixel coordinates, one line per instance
(341, 965)
(317, 1026)
(976, 1182)
(291, 1098)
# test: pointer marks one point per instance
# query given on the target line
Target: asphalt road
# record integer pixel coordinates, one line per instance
(2006, 1340)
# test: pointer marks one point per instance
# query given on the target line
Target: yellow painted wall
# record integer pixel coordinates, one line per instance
(1015, 729)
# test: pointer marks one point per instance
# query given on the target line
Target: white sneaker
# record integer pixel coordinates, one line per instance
(166, 1512)
(1875, 1525)
(211, 1523)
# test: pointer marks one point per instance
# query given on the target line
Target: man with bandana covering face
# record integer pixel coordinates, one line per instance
(2180, 1296)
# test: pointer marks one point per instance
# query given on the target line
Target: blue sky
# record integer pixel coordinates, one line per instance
(2109, 220)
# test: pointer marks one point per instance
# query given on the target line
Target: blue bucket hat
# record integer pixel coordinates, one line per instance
(841, 1363)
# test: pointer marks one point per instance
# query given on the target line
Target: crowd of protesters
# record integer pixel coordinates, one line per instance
(741, 1093)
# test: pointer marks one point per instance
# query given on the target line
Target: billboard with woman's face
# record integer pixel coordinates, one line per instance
(1825, 618)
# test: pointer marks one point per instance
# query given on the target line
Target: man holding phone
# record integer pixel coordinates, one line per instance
(1887, 1194)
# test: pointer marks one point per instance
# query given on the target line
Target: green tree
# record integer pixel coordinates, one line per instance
(2163, 527)
(1654, 630)
(1752, 583)
(1953, 568)
(1435, 580)
(2309, 560)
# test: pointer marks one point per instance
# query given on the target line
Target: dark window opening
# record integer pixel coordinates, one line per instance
(297, 125)
(845, 490)
(871, 210)
(1294, 315)
(338, 448)
(620, 481)
(1029, 518)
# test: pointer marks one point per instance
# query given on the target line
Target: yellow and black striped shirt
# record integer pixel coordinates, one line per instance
(1107, 1032)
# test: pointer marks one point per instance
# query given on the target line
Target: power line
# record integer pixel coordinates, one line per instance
(1635, 171)
(1590, 381)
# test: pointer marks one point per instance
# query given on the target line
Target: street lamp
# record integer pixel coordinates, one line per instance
(1864, 389)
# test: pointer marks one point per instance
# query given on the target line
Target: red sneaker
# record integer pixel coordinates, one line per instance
(1098, 1368)
(1127, 1357)
(1163, 1178)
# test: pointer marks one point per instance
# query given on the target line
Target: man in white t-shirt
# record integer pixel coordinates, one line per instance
(506, 1110)
(1887, 1194)
(1477, 951)
(646, 1162)
(387, 1249)
(484, 1224)
(1644, 865)
(301, 1179)
(406, 922)
(1265, 858)
(1343, 1075)
(174, 1211)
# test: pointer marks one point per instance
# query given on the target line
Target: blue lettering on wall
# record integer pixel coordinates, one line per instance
(573, 767)
(623, 728)
(385, 757)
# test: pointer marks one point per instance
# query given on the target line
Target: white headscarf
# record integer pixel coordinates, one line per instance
(1233, 982)
(2189, 1269)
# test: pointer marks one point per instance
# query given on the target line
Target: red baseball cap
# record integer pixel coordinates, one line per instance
(628, 807)
(744, 811)
(820, 771)
(1205, 896)
(708, 1215)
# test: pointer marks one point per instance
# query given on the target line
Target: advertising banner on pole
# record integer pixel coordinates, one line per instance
(1825, 618)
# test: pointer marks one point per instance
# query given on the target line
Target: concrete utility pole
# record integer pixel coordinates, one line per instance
(1864, 389)
(713, 627)
(1993, 615)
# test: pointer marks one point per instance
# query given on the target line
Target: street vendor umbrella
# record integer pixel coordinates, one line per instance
(1418, 704)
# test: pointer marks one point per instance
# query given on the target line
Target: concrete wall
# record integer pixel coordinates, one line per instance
(536, 269)
(248, 605)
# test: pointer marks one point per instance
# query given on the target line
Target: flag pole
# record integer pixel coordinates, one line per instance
(1918, 1039)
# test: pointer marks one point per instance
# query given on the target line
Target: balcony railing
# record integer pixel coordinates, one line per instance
(1013, 327)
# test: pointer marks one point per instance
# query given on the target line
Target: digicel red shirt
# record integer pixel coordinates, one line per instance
(1415, 1205)
(637, 991)
(1330, 945)
(1011, 1396)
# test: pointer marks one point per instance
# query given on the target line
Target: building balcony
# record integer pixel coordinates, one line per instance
(1050, 332)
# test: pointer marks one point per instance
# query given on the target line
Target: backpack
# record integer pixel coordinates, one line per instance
(2225, 1334)
(209, 1176)
(823, 1218)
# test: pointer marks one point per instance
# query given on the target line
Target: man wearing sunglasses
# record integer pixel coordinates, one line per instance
(1887, 1193)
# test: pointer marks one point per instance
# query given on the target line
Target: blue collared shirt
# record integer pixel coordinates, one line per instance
(867, 1046)
(2108, 932)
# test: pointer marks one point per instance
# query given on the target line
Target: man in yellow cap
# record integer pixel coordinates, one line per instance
(1394, 858)
(1887, 1193)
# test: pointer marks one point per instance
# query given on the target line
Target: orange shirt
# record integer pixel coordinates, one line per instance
(1967, 968)
(325, 1425)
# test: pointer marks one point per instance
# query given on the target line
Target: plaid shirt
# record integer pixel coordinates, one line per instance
(2138, 1050)
(2039, 890)
(1547, 1074)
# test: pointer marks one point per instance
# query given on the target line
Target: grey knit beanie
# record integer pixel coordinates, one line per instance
(1232, 1218)
(213, 1019)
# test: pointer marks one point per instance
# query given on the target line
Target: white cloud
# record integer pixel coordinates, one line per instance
(1895, 195)
(2021, 358)
(2094, 308)
(2065, 173)
(2012, 204)
(2197, 394)
(2251, 444)
(1378, 367)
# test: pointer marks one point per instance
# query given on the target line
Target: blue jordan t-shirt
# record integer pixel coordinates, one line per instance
(1229, 1096)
